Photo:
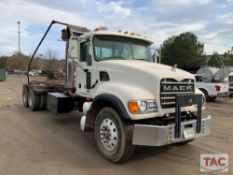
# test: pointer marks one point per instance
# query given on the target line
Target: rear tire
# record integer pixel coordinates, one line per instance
(206, 94)
(113, 136)
(33, 101)
(25, 97)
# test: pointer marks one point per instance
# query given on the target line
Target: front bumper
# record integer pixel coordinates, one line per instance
(154, 135)
(151, 135)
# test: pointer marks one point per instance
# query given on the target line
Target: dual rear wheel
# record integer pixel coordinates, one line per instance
(33, 101)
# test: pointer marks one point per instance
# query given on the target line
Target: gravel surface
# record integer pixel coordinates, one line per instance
(34, 143)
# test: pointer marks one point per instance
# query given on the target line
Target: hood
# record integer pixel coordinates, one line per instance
(142, 67)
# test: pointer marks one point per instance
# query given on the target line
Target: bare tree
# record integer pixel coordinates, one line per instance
(18, 61)
(51, 56)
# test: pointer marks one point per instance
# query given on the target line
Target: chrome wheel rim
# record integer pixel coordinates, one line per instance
(109, 134)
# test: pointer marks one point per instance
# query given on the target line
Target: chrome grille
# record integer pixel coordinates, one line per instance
(169, 88)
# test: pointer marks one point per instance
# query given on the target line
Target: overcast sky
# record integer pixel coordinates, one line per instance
(210, 20)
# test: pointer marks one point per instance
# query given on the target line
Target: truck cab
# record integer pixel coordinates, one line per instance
(126, 98)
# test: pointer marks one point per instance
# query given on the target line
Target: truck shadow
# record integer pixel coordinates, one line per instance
(72, 121)
(66, 119)
(145, 152)
(141, 152)
(76, 149)
(220, 100)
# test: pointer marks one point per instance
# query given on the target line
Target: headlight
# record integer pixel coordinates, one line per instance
(144, 106)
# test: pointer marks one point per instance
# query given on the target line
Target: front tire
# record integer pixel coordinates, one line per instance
(113, 136)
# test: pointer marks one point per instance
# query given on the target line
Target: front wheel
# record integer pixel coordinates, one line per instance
(113, 136)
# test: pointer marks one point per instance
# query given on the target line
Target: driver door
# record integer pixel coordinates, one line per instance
(85, 78)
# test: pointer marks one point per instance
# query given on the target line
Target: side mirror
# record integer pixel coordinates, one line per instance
(65, 34)
(89, 60)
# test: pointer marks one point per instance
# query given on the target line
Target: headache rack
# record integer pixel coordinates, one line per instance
(183, 101)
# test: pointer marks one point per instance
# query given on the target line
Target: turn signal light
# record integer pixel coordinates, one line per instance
(142, 106)
(133, 107)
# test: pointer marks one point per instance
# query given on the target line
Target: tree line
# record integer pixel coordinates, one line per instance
(19, 61)
(186, 50)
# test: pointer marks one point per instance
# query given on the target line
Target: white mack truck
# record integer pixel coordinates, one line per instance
(126, 98)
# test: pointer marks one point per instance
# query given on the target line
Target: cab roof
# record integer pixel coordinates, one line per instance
(90, 34)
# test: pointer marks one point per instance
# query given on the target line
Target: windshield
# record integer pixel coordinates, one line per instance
(115, 47)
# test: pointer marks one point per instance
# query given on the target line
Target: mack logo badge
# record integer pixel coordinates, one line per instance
(177, 88)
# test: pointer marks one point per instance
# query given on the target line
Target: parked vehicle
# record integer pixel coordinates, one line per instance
(230, 80)
(126, 98)
(213, 74)
(207, 73)
(31, 73)
(212, 89)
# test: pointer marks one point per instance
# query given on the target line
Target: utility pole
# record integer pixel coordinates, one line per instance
(18, 22)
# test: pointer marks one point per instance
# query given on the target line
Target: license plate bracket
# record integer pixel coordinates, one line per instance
(189, 133)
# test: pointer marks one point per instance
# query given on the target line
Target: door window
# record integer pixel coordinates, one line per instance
(85, 51)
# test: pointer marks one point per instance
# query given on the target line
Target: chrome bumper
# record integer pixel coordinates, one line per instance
(151, 135)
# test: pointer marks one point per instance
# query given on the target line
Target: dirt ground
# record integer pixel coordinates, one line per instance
(33, 143)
